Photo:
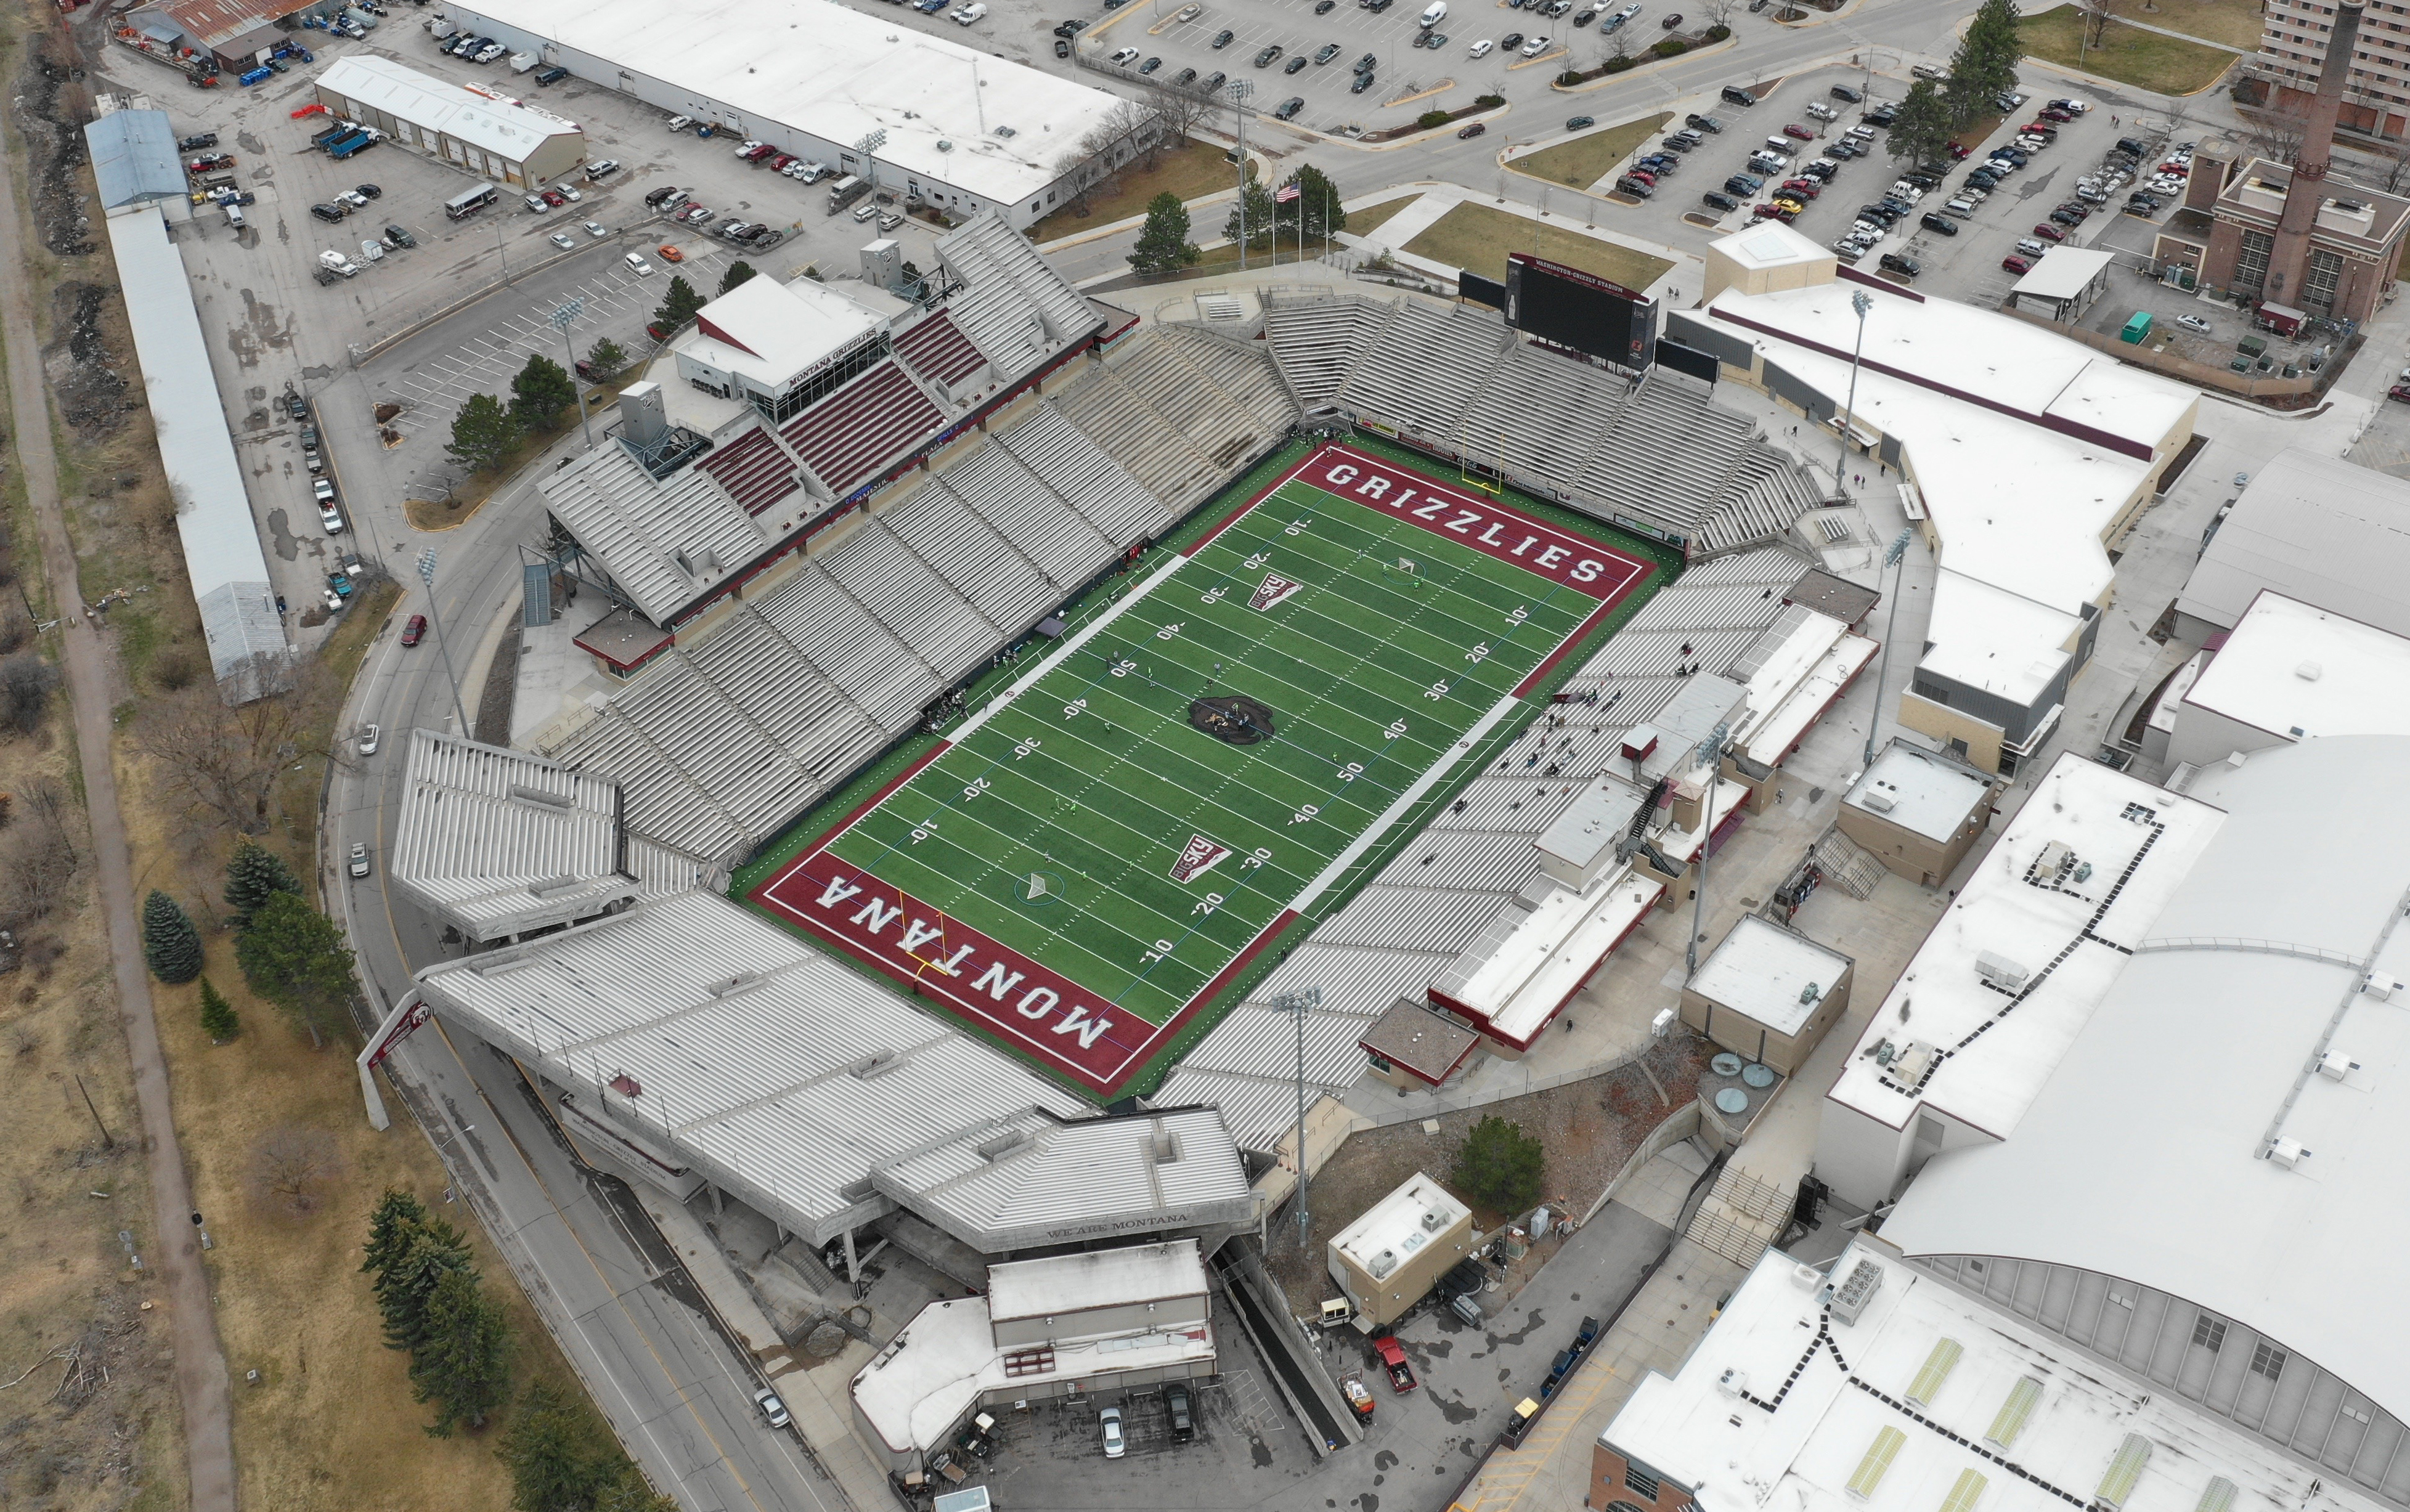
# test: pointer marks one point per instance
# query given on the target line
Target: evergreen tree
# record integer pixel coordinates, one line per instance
(1921, 132)
(1259, 201)
(556, 1464)
(1316, 202)
(405, 1289)
(397, 1217)
(483, 433)
(630, 1493)
(1986, 60)
(540, 392)
(171, 947)
(463, 1367)
(294, 956)
(738, 273)
(1163, 244)
(606, 357)
(252, 874)
(1500, 1165)
(679, 305)
(218, 1020)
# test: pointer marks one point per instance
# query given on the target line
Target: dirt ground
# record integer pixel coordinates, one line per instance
(1589, 1129)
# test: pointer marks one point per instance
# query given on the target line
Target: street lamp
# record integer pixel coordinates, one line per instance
(869, 145)
(1710, 751)
(1860, 303)
(561, 319)
(1897, 549)
(427, 576)
(1300, 1003)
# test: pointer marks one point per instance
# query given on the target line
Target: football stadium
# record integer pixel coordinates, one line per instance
(1218, 747)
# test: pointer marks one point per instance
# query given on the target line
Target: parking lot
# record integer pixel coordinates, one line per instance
(1964, 266)
(1409, 78)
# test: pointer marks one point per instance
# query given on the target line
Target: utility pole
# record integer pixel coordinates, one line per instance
(427, 576)
(876, 139)
(1891, 558)
(1711, 750)
(1300, 1003)
(1860, 303)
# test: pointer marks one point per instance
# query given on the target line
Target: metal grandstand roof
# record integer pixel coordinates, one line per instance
(496, 842)
(1070, 1183)
(781, 1076)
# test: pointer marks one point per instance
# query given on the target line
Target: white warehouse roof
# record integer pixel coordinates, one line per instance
(841, 74)
(503, 127)
(2203, 1047)
(1931, 1400)
(2317, 528)
(2298, 672)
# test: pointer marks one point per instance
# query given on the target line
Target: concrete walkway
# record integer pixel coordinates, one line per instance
(176, 1251)
(2183, 36)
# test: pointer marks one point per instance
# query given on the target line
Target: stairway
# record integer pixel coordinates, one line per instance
(1847, 864)
(1740, 1217)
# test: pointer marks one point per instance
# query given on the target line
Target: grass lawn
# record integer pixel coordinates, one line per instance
(1477, 237)
(2234, 22)
(1584, 160)
(1372, 218)
(1101, 847)
(1192, 170)
(2161, 64)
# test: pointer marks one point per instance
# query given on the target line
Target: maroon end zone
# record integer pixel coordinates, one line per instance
(1047, 1016)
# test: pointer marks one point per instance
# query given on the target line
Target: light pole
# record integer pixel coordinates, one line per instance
(1860, 303)
(1710, 751)
(561, 320)
(1891, 558)
(870, 145)
(1300, 1003)
(1239, 89)
(427, 576)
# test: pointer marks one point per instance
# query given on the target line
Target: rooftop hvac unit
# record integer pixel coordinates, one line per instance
(1431, 1220)
(1732, 1383)
(2000, 971)
(2309, 672)
(2055, 857)
(2287, 1153)
(1381, 1264)
(2335, 1064)
(1877, 800)
(2380, 986)
(1908, 1067)
(1851, 1297)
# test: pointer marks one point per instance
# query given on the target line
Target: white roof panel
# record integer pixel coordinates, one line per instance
(2296, 671)
(1765, 971)
(502, 127)
(2063, 272)
(2316, 529)
(1096, 1278)
(1923, 791)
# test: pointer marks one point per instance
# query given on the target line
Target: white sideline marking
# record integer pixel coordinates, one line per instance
(1414, 791)
(1064, 651)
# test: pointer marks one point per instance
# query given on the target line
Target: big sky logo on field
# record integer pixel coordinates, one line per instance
(1198, 857)
(1273, 589)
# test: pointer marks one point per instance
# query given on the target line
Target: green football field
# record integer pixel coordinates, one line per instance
(1086, 859)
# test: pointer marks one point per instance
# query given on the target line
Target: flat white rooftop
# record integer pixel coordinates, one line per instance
(1519, 975)
(1772, 244)
(1918, 791)
(2063, 272)
(946, 1358)
(1401, 1223)
(770, 331)
(2317, 528)
(1777, 977)
(1786, 1408)
(1993, 1048)
(2296, 671)
(950, 112)
(1098, 1278)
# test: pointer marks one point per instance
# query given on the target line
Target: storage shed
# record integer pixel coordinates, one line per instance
(1768, 993)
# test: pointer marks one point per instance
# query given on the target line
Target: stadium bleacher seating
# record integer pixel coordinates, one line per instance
(753, 470)
(846, 436)
(937, 348)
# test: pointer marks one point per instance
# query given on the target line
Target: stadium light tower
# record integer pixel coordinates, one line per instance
(1711, 750)
(1891, 558)
(1859, 302)
(561, 320)
(427, 576)
(1300, 1003)
(1239, 89)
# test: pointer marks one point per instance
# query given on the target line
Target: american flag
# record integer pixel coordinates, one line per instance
(1286, 194)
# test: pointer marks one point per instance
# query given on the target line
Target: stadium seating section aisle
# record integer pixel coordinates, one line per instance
(1454, 378)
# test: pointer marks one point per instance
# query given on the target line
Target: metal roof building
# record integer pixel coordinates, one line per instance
(959, 127)
(2206, 1188)
(248, 651)
(2316, 529)
(824, 1099)
(496, 843)
(134, 157)
(491, 135)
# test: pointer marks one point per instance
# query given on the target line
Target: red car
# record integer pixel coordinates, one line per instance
(2016, 265)
(1643, 175)
(1958, 153)
(2400, 391)
(1798, 133)
(2055, 114)
(2049, 232)
(1803, 188)
(555, 199)
(415, 630)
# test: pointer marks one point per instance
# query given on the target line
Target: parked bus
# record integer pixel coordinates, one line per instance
(469, 202)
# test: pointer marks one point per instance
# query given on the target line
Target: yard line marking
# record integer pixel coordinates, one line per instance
(1413, 792)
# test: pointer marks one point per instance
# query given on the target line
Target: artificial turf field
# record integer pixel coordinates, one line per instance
(1087, 861)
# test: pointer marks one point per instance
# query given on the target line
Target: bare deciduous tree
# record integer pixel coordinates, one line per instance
(1718, 12)
(2097, 14)
(1179, 111)
(222, 764)
(27, 682)
(291, 1165)
(37, 864)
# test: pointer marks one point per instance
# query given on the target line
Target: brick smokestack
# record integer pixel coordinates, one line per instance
(2288, 261)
